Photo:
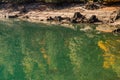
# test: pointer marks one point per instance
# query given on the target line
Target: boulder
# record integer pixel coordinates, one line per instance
(77, 18)
(50, 18)
(77, 15)
(93, 19)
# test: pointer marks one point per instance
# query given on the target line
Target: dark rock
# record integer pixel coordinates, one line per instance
(115, 15)
(65, 22)
(93, 19)
(85, 20)
(50, 19)
(77, 18)
(26, 17)
(58, 18)
(116, 31)
(92, 6)
(66, 18)
(77, 15)
(12, 16)
(118, 14)
(73, 20)
(41, 20)
(23, 10)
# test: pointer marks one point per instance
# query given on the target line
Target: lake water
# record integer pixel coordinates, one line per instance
(40, 52)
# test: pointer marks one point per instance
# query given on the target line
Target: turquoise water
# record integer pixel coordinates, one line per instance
(30, 51)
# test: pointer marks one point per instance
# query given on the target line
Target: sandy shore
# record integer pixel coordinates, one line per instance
(40, 13)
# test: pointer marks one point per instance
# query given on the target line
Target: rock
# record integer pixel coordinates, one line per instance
(116, 31)
(11, 16)
(58, 18)
(42, 20)
(117, 14)
(65, 21)
(77, 15)
(77, 18)
(92, 6)
(73, 20)
(105, 28)
(23, 10)
(66, 18)
(85, 20)
(93, 19)
(50, 18)
(26, 17)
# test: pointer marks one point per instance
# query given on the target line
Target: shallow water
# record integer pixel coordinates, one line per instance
(39, 52)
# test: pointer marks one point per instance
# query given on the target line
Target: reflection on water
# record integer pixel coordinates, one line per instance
(39, 52)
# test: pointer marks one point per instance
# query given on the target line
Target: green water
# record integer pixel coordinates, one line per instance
(39, 52)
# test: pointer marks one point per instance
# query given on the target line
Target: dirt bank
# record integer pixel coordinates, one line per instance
(38, 12)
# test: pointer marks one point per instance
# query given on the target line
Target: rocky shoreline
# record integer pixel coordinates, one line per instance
(73, 14)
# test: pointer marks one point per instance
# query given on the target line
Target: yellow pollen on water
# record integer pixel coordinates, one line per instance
(102, 46)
